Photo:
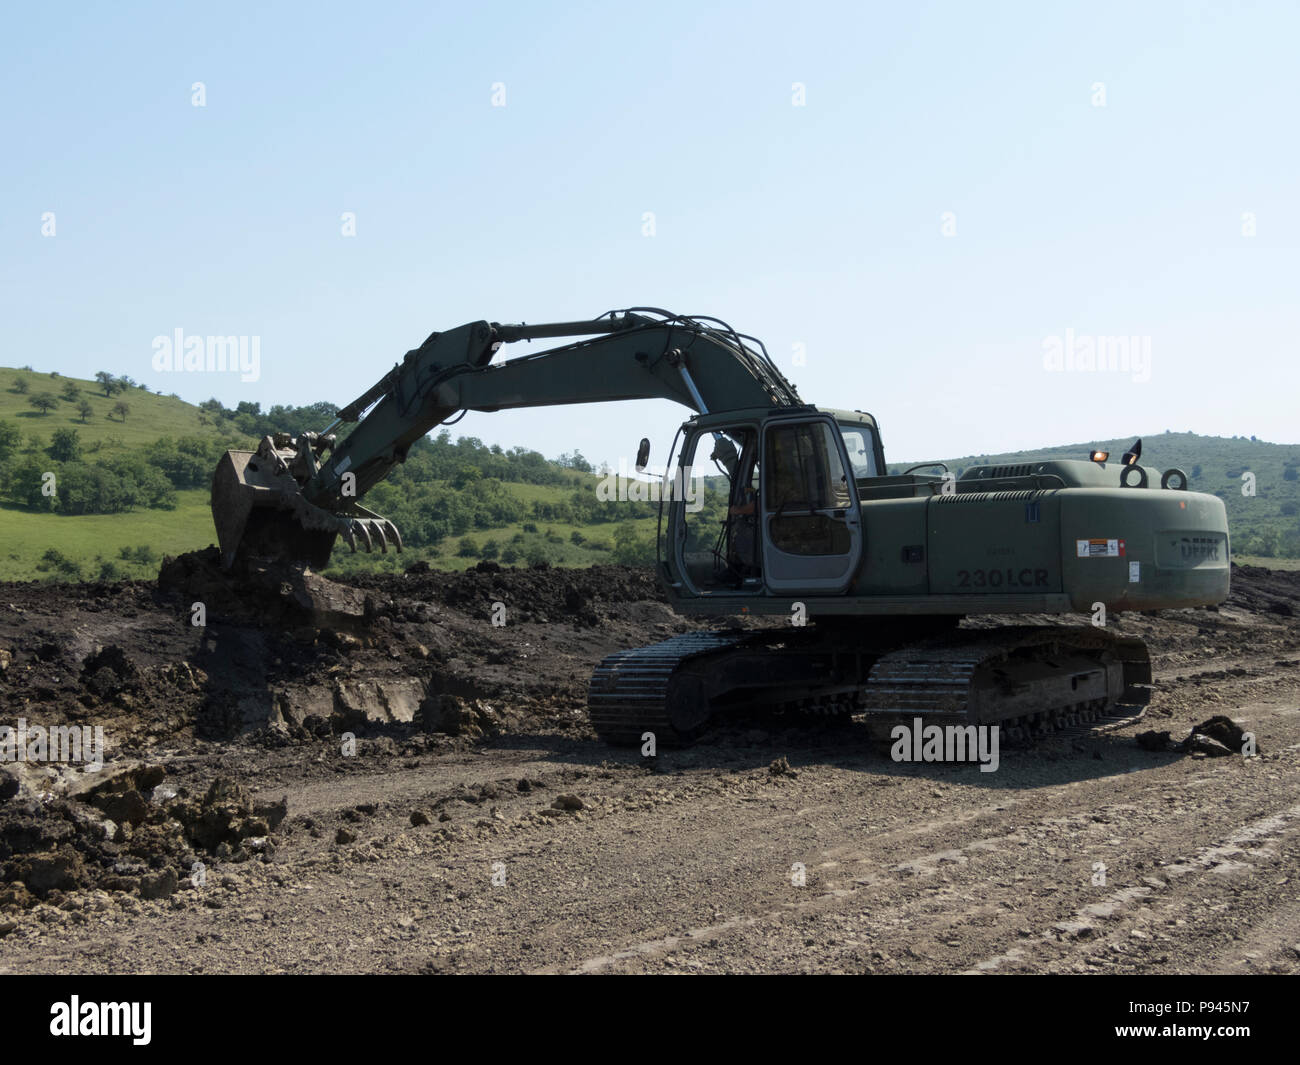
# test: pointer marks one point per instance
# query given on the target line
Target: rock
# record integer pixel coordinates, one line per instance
(343, 835)
(62, 869)
(780, 767)
(108, 672)
(129, 807)
(116, 779)
(6, 658)
(454, 716)
(16, 895)
(158, 885)
(257, 845)
(419, 817)
(1154, 741)
(1226, 732)
(223, 817)
(272, 812)
(393, 701)
(1204, 746)
(568, 802)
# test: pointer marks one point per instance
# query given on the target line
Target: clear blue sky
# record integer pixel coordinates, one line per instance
(819, 225)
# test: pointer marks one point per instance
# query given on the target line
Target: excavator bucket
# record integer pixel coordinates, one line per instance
(260, 511)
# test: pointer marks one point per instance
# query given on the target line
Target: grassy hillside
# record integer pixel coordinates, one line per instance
(455, 503)
(90, 540)
(150, 416)
(1266, 524)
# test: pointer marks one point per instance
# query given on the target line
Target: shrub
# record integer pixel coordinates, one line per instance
(56, 560)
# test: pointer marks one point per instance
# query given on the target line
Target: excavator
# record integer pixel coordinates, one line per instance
(855, 579)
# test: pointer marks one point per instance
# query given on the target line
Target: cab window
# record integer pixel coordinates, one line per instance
(861, 447)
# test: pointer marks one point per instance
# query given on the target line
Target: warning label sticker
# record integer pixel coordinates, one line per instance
(1099, 548)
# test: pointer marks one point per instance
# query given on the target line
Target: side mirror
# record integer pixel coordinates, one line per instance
(643, 454)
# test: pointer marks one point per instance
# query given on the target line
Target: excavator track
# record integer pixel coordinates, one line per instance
(640, 690)
(1031, 681)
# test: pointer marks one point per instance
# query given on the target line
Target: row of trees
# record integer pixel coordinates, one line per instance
(44, 402)
(111, 486)
(441, 458)
(113, 385)
(74, 479)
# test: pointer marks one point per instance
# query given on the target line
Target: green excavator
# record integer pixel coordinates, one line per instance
(863, 575)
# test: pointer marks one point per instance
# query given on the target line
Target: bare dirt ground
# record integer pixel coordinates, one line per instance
(478, 826)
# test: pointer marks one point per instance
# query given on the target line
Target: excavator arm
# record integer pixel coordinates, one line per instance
(292, 497)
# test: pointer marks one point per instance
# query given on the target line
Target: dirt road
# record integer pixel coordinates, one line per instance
(503, 837)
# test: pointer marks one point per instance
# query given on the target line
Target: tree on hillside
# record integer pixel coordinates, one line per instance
(85, 409)
(122, 408)
(21, 386)
(1289, 474)
(66, 446)
(71, 392)
(107, 380)
(10, 438)
(43, 402)
(124, 383)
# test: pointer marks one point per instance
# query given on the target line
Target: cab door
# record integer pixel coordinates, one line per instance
(811, 520)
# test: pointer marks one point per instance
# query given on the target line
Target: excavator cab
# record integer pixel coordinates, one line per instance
(776, 513)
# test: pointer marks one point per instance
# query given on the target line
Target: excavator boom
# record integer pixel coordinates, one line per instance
(294, 496)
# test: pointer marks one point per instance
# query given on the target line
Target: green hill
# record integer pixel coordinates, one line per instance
(131, 486)
(149, 416)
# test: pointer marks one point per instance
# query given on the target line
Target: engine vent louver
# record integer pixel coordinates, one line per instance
(995, 472)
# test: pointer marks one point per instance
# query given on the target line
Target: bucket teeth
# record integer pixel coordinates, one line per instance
(378, 528)
(360, 525)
